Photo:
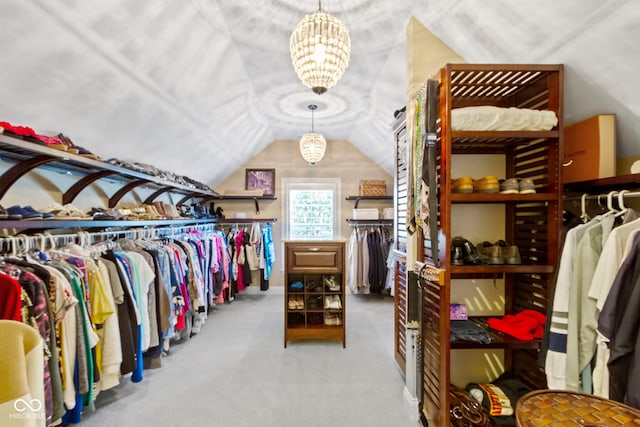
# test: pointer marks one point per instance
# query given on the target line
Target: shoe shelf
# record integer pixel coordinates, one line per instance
(314, 303)
(27, 156)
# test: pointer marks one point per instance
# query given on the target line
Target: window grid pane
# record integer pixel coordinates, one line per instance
(311, 214)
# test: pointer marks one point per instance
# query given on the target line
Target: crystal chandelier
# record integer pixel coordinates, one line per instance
(320, 47)
(312, 145)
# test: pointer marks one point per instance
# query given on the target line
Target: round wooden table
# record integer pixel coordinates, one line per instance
(558, 408)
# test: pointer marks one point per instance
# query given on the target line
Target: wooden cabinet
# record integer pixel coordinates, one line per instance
(531, 221)
(314, 297)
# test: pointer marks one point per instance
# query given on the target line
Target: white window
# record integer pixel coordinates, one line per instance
(311, 207)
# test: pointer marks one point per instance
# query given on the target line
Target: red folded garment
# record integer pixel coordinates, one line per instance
(18, 130)
(525, 326)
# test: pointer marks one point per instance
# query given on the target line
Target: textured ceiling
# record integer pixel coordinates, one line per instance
(199, 87)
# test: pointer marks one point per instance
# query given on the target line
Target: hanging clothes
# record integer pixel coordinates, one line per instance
(109, 311)
(367, 253)
(590, 262)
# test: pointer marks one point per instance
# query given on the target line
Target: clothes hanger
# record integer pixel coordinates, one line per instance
(583, 208)
(610, 202)
(622, 208)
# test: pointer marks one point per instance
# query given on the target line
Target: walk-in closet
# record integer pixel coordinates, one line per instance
(347, 213)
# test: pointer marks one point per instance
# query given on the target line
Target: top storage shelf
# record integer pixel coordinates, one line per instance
(518, 86)
(29, 155)
(521, 86)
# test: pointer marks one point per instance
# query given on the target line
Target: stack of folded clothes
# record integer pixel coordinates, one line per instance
(470, 331)
(526, 325)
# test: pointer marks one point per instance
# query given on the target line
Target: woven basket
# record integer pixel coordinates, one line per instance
(553, 408)
(373, 187)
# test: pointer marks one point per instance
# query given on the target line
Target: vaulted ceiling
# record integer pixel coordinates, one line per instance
(198, 87)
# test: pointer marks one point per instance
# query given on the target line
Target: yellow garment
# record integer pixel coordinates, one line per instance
(102, 307)
(22, 372)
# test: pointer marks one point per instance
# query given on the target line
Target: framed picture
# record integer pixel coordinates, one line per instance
(261, 179)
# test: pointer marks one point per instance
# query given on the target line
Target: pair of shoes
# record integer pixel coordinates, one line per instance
(331, 284)
(296, 302)
(331, 319)
(65, 212)
(314, 301)
(517, 186)
(28, 213)
(332, 302)
(464, 184)
(4, 215)
(314, 318)
(314, 287)
(100, 214)
(498, 253)
(487, 184)
(463, 252)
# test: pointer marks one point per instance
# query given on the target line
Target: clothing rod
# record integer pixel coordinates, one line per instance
(244, 224)
(630, 194)
(86, 237)
(370, 224)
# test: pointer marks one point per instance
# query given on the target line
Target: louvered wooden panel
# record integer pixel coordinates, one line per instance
(434, 347)
(525, 364)
(401, 178)
(401, 185)
(401, 314)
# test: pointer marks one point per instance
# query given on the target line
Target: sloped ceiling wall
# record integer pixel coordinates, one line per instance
(198, 87)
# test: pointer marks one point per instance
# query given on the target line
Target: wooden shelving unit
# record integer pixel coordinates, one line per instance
(314, 279)
(532, 221)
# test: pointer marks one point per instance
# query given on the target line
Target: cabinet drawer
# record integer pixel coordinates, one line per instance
(315, 257)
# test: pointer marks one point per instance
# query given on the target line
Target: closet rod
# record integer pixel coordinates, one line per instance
(631, 194)
(249, 223)
(82, 237)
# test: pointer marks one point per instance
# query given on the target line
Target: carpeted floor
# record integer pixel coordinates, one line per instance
(236, 372)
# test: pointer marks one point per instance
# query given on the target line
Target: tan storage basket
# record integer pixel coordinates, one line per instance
(373, 187)
(555, 408)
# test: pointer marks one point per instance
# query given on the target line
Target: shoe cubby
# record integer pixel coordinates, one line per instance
(314, 273)
(313, 283)
(472, 177)
(332, 283)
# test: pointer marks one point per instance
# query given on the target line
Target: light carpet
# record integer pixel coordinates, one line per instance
(236, 372)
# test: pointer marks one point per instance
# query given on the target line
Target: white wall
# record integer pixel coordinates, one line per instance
(341, 160)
